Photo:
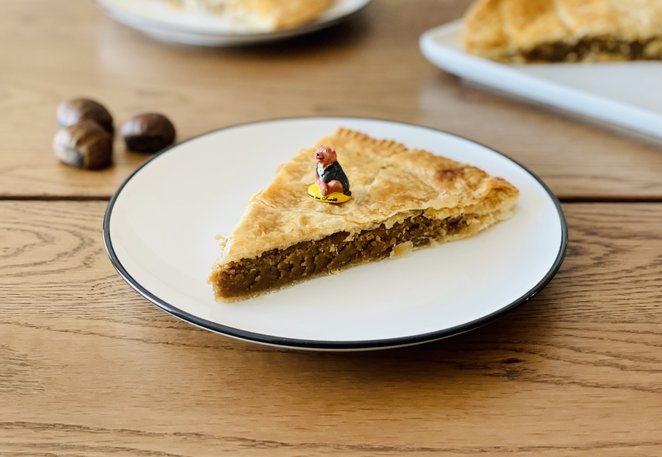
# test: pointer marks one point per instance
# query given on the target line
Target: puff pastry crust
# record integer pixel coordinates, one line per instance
(390, 183)
(287, 13)
(564, 30)
(264, 14)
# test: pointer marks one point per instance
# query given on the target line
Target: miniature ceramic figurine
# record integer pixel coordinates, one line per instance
(331, 183)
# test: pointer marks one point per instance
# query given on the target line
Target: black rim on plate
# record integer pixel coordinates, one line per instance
(321, 344)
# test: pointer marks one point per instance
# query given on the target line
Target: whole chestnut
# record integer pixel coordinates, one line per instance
(84, 145)
(148, 132)
(84, 109)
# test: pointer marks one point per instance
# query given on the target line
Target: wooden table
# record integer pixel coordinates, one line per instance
(88, 368)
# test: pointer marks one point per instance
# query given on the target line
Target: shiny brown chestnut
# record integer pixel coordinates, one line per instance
(148, 132)
(84, 109)
(84, 145)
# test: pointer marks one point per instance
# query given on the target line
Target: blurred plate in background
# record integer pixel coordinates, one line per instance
(159, 20)
(621, 95)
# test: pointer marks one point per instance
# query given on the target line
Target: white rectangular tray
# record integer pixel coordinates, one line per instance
(626, 96)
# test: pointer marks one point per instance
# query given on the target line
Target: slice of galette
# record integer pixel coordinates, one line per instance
(401, 199)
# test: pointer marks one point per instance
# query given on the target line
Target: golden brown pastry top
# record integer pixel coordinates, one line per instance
(264, 14)
(500, 29)
(388, 182)
(286, 13)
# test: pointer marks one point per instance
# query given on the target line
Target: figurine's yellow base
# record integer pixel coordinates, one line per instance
(335, 198)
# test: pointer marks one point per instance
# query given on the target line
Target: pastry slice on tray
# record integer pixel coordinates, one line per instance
(564, 30)
(400, 199)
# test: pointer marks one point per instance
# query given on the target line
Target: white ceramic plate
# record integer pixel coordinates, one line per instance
(160, 230)
(157, 19)
(625, 96)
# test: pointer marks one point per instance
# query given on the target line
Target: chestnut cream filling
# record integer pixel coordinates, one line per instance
(278, 267)
(598, 48)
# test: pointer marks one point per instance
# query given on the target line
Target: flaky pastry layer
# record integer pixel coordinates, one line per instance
(263, 14)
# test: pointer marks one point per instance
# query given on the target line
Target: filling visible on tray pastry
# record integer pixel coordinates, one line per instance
(260, 15)
(564, 30)
(400, 199)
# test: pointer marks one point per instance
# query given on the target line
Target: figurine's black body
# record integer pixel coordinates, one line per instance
(334, 172)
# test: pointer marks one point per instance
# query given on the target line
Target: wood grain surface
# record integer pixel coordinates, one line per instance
(369, 66)
(91, 369)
